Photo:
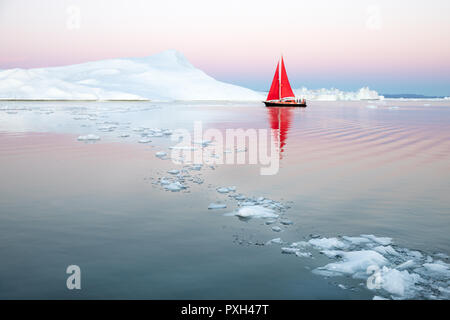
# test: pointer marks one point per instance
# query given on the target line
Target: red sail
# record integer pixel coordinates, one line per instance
(286, 90)
(274, 92)
(280, 87)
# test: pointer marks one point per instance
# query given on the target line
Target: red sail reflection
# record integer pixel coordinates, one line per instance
(280, 121)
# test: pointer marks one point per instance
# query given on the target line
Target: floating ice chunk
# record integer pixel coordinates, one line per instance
(144, 140)
(286, 222)
(270, 221)
(275, 240)
(379, 298)
(203, 143)
(406, 265)
(217, 206)
(356, 240)
(196, 167)
(255, 212)
(399, 283)
(342, 286)
(327, 243)
(301, 244)
(222, 190)
(107, 128)
(124, 135)
(187, 148)
(289, 250)
(164, 181)
(161, 154)
(414, 253)
(173, 171)
(386, 250)
(240, 197)
(247, 203)
(89, 137)
(174, 186)
(353, 263)
(303, 254)
(276, 228)
(380, 240)
(441, 269)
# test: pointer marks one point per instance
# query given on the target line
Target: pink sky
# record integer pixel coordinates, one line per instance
(392, 46)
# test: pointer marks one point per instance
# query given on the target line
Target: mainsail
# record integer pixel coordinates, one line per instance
(280, 87)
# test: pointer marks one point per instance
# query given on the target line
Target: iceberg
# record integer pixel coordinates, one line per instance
(337, 95)
(165, 76)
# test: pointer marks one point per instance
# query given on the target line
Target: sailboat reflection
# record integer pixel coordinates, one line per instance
(280, 121)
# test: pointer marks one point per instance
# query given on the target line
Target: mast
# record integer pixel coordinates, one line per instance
(279, 78)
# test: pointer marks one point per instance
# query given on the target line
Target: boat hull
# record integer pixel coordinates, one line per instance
(284, 104)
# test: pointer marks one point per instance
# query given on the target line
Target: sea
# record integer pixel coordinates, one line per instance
(357, 208)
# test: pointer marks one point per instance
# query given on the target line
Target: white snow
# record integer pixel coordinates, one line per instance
(164, 76)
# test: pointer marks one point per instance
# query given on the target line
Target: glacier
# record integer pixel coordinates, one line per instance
(165, 76)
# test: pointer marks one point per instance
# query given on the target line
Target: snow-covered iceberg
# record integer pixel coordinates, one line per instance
(335, 94)
(164, 76)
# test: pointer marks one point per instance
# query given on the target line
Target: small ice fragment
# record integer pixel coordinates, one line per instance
(342, 286)
(327, 243)
(217, 206)
(379, 298)
(303, 254)
(406, 265)
(223, 190)
(144, 140)
(161, 154)
(270, 221)
(286, 222)
(174, 186)
(352, 263)
(232, 188)
(438, 268)
(275, 240)
(356, 240)
(247, 203)
(289, 250)
(276, 228)
(173, 171)
(255, 212)
(380, 240)
(386, 250)
(124, 135)
(371, 107)
(89, 137)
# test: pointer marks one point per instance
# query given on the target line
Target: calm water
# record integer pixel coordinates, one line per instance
(347, 168)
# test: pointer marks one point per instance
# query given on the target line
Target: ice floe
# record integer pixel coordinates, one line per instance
(88, 137)
(254, 212)
(217, 206)
(389, 271)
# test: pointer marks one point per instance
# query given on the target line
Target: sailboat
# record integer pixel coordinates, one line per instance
(280, 93)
